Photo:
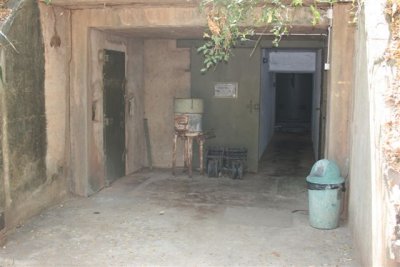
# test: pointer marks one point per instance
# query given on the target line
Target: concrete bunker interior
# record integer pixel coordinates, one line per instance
(161, 63)
(159, 46)
(248, 120)
(155, 54)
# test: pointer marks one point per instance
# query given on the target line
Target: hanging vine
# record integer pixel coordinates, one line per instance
(227, 20)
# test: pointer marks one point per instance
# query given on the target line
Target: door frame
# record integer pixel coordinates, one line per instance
(267, 80)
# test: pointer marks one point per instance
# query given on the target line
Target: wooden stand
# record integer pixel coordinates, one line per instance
(188, 150)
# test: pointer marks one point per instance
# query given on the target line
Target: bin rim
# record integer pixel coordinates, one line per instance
(325, 180)
(316, 186)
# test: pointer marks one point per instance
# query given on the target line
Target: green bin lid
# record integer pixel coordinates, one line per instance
(325, 172)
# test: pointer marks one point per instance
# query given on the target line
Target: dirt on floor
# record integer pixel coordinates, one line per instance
(155, 219)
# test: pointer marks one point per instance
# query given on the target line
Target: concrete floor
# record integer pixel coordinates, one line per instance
(153, 218)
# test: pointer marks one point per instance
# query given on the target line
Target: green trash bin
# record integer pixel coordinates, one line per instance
(325, 187)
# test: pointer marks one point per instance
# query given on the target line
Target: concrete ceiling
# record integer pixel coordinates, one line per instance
(160, 32)
(302, 25)
(197, 32)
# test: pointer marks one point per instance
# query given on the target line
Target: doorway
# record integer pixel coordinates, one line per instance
(290, 96)
(114, 114)
(293, 102)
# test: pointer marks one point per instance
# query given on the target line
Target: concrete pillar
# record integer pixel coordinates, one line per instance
(340, 88)
(79, 108)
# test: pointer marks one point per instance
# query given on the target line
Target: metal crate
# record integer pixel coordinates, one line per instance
(226, 160)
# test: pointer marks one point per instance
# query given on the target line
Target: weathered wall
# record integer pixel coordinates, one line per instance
(32, 180)
(55, 21)
(234, 122)
(166, 76)
(340, 78)
(372, 200)
(82, 21)
(74, 118)
(135, 103)
(339, 92)
(360, 202)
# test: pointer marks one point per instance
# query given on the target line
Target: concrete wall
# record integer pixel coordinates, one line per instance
(360, 202)
(339, 93)
(340, 78)
(166, 76)
(56, 78)
(75, 118)
(32, 157)
(235, 123)
(267, 107)
(372, 193)
(82, 22)
(135, 102)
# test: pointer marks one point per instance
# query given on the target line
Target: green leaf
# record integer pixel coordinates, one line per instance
(316, 15)
(297, 3)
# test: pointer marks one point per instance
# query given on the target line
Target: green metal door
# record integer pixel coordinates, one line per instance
(114, 114)
(234, 118)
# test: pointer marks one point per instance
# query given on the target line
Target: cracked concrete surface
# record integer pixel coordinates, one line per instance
(155, 219)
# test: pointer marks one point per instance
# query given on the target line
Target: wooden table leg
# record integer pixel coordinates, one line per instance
(174, 153)
(185, 153)
(201, 157)
(190, 155)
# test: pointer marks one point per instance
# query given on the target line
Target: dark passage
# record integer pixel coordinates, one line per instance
(293, 102)
(288, 155)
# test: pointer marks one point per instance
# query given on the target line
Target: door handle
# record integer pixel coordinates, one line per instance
(253, 107)
(108, 121)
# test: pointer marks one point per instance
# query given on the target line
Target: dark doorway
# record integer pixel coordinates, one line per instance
(290, 96)
(293, 102)
(114, 114)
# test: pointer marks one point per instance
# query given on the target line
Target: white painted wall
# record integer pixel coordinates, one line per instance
(360, 201)
(371, 209)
